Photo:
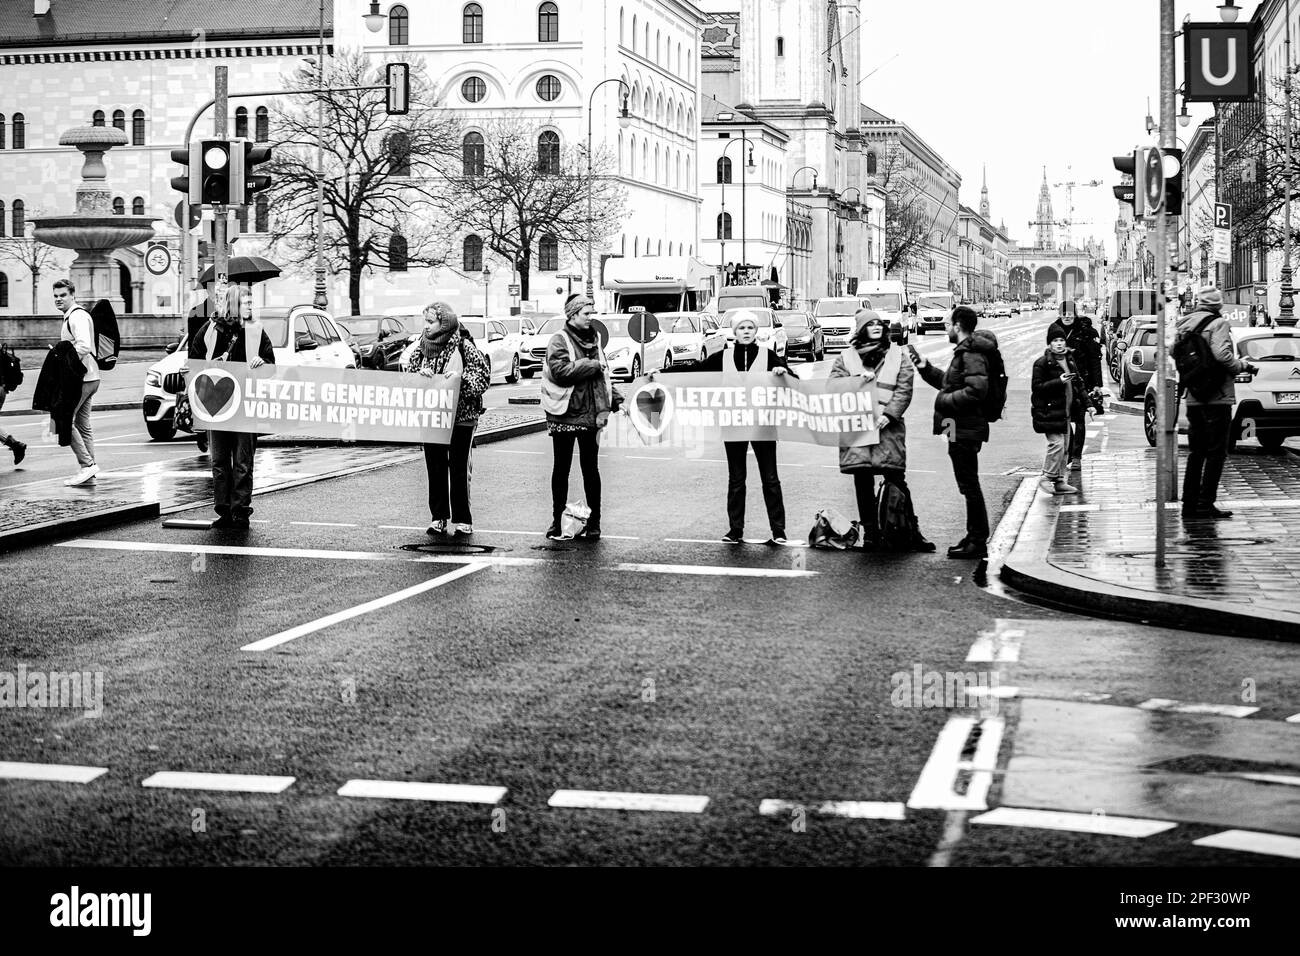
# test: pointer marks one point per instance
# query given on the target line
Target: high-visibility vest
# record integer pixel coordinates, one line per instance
(886, 376)
(729, 370)
(555, 397)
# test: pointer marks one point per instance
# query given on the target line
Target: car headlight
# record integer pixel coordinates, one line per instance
(367, 349)
(616, 354)
(153, 378)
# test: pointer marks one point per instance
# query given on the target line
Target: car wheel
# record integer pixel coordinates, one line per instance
(162, 430)
(514, 371)
(921, 330)
(636, 368)
(821, 355)
(1270, 440)
(1149, 420)
(1114, 371)
(668, 362)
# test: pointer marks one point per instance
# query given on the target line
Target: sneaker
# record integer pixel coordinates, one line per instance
(921, 545)
(1047, 485)
(239, 524)
(1076, 464)
(553, 533)
(80, 478)
(733, 537)
(960, 545)
(437, 527)
(776, 540)
(1062, 488)
(590, 533)
(1210, 511)
(464, 528)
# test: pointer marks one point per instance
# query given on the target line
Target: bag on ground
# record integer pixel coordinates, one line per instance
(1199, 372)
(895, 518)
(831, 529)
(574, 519)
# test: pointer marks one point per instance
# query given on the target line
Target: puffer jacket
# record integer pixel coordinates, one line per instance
(590, 402)
(1221, 345)
(1082, 340)
(58, 388)
(475, 374)
(891, 450)
(963, 386)
(1047, 406)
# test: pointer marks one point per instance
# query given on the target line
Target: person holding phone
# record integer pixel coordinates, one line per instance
(1056, 401)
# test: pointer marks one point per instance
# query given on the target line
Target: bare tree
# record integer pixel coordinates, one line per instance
(384, 175)
(33, 255)
(527, 188)
(1253, 174)
(908, 221)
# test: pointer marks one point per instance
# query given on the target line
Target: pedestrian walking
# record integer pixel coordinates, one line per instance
(748, 357)
(11, 376)
(1209, 413)
(230, 337)
(1084, 344)
(872, 356)
(79, 329)
(578, 397)
(445, 349)
(959, 415)
(1056, 391)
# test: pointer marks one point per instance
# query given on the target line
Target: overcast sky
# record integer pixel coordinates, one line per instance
(1019, 84)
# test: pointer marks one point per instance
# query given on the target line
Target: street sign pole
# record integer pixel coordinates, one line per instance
(1166, 451)
(220, 251)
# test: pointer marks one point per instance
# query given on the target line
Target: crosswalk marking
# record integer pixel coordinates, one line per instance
(1179, 707)
(235, 782)
(52, 772)
(1249, 841)
(1100, 823)
(608, 800)
(412, 790)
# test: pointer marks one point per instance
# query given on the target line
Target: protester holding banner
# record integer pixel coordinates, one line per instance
(873, 357)
(225, 338)
(446, 349)
(578, 397)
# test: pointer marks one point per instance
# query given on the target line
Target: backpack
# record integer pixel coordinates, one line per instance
(995, 401)
(108, 341)
(11, 369)
(895, 518)
(1199, 372)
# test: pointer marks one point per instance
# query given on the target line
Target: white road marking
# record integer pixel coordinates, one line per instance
(1178, 707)
(852, 809)
(999, 645)
(936, 786)
(1248, 841)
(323, 524)
(1293, 719)
(1099, 823)
(646, 458)
(514, 451)
(399, 527)
(609, 800)
(409, 790)
(1269, 778)
(1088, 697)
(721, 572)
(275, 640)
(241, 782)
(56, 772)
(197, 473)
(1002, 692)
(243, 550)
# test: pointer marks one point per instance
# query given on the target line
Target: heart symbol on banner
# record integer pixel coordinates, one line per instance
(650, 403)
(651, 410)
(213, 395)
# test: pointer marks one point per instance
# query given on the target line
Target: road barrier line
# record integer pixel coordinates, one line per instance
(52, 772)
(410, 790)
(718, 571)
(1179, 707)
(236, 782)
(609, 800)
(850, 809)
(284, 637)
(1248, 841)
(228, 549)
(1099, 823)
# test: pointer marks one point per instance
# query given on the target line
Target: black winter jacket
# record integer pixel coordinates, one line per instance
(1047, 399)
(714, 362)
(1082, 339)
(198, 344)
(58, 388)
(962, 388)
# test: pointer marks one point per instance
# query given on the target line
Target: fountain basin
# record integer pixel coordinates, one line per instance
(95, 233)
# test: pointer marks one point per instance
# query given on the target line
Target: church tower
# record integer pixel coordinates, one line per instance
(1046, 230)
(984, 196)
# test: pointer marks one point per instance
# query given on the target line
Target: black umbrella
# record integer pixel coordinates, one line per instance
(245, 270)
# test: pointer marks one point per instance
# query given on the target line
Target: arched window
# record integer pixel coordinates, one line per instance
(261, 218)
(119, 120)
(548, 23)
(724, 169)
(97, 118)
(645, 158)
(548, 254)
(20, 131)
(399, 26)
(472, 254)
(636, 246)
(659, 109)
(679, 59)
(4, 291)
(137, 206)
(631, 157)
(3, 225)
(871, 164)
(137, 128)
(471, 154)
(645, 51)
(399, 153)
(548, 153)
(656, 179)
(622, 41)
(396, 253)
(634, 50)
(724, 225)
(20, 219)
(119, 206)
(241, 122)
(648, 105)
(620, 152)
(262, 133)
(688, 171)
(2, 131)
(660, 252)
(472, 24)
(658, 44)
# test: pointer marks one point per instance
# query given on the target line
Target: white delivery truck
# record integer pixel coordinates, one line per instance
(889, 299)
(658, 283)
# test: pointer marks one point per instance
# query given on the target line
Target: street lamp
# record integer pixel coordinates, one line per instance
(487, 283)
(722, 230)
(374, 19)
(1228, 11)
(1286, 301)
(794, 178)
(1184, 117)
(320, 300)
(624, 121)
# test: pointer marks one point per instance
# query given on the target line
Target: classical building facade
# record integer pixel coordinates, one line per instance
(1196, 228)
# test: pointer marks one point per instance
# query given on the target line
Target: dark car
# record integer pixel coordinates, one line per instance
(379, 338)
(804, 336)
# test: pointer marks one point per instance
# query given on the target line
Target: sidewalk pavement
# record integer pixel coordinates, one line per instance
(50, 509)
(120, 387)
(1095, 551)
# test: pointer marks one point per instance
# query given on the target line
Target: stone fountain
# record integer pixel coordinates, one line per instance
(94, 231)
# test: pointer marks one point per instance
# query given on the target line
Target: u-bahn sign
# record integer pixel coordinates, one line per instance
(1217, 62)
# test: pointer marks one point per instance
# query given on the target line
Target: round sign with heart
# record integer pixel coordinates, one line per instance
(651, 409)
(214, 395)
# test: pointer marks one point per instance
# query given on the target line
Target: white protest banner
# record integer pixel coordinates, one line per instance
(681, 409)
(323, 402)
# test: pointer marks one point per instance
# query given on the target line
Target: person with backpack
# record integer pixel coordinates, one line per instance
(11, 376)
(1207, 363)
(578, 397)
(1084, 345)
(1055, 402)
(446, 348)
(890, 521)
(79, 329)
(972, 393)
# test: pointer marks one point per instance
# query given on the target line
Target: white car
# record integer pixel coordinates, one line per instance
(532, 344)
(624, 355)
(771, 331)
(692, 337)
(494, 340)
(1000, 310)
(1268, 403)
(316, 340)
(932, 311)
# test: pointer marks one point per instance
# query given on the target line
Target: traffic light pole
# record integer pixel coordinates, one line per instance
(1166, 446)
(220, 249)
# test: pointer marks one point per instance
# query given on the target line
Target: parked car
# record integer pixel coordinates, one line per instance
(492, 339)
(532, 344)
(771, 333)
(380, 339)
(1268, 404)
(1136, 359)
(624, 355)
(803, 336)
(692, 337)
(316, 340)
(1121, 334)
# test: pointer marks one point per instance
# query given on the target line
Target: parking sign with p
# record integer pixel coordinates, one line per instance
(1222, 215)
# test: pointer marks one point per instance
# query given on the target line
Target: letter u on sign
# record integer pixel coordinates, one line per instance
(1208, 72)
(1218, 62)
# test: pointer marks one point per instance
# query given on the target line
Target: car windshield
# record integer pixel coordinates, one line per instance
(684, 324)
(762, 317)
(361, 326)
(838, 307)
(934, 302)
(475, 329)
(616, 325)
(1266, 349)
(888, 301)
(795, 318)
(551, 326)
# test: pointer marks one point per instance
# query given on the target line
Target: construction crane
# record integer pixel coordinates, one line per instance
(1069, 187)
(1061, 224)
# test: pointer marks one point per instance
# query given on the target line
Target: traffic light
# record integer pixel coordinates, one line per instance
(1131, 166)
(246, 182)
(190, 157)
(1173, 181)
(217, 162)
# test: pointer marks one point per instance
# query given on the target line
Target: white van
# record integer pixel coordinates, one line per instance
(889, 299)
(835, 315)
(932, 309)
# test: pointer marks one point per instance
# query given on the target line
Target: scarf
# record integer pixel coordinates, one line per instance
(588, 341)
